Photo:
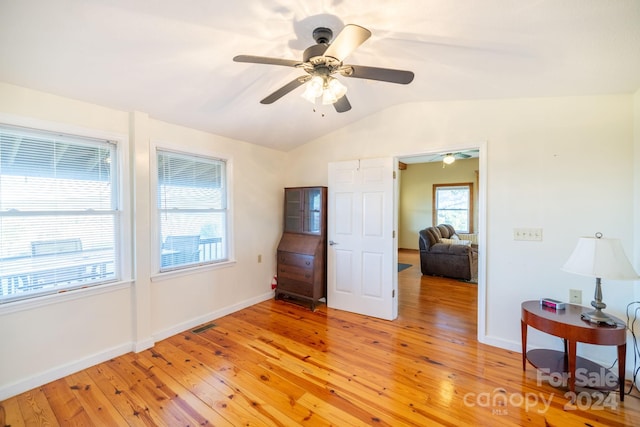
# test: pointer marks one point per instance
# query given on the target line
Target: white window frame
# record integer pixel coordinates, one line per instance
(123, 233)
(469, 187)
(156, 241)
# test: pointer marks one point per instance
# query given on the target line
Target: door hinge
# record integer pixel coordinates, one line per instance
(394, 174)
(393, 234)
(393, 293)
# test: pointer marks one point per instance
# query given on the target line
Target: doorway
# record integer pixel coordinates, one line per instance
(436, 156)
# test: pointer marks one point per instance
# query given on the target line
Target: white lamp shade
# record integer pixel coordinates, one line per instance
(600, 257)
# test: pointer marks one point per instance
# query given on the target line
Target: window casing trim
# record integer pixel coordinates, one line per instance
(123, 206)
(157, 145)
(469, 186)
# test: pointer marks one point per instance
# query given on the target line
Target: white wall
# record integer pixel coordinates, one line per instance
(549, 165)
(561, 164)
(41, 342)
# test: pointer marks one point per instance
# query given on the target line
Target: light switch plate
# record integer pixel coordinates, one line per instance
(529, 234)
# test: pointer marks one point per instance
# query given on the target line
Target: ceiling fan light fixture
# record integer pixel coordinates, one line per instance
(337, 89)
(327, 87)
(313, 89)
(328, 97)
(448, 159)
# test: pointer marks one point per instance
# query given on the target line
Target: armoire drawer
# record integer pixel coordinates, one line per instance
(298, 260)
(296, 287)
(287, 271)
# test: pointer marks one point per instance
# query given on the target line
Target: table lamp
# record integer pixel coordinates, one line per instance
(603, 259)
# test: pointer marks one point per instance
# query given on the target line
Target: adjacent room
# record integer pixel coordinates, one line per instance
(328, 213)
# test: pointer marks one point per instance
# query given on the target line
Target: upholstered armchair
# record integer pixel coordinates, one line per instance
(442, 253)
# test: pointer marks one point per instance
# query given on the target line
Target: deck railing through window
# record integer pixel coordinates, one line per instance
(23, 274)
(211, 249)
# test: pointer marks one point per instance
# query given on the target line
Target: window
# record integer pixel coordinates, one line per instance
(59, 217)
(192, 210)
(453, 204)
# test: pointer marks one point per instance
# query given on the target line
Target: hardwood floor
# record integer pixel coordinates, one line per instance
(279, 364)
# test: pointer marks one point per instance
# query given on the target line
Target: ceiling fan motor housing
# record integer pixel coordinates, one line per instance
(322, 35)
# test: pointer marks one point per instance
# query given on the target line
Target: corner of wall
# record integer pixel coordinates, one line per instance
(636, 186)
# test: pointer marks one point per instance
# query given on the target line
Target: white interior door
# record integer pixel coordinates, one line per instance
(361, 260)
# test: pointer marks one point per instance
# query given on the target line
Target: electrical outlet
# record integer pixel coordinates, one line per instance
(575, 296)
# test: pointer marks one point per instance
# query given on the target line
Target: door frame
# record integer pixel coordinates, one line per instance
(482, 218)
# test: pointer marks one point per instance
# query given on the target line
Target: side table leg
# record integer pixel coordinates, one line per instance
(571, 357)
(622, 361)
(523, 326)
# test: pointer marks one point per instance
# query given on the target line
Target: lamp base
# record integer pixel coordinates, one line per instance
(597, 316)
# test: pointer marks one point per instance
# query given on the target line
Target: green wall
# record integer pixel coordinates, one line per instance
(416, 188)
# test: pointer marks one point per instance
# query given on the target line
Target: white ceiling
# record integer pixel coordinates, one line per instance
(173, 59)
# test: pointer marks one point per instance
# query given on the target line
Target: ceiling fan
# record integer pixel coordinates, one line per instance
(449, 158)
(324, 59)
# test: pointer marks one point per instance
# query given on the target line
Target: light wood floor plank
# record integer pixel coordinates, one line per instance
(238, 407)
(10, 414)
(98, 406)
(126, 400)
(35, 409)
(278, 364)
(66, 406)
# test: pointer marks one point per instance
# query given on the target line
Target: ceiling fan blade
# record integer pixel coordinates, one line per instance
(462, 156)
(297, 82)
(266, 60)
(347, 41)
(382, 74)
(342, 104)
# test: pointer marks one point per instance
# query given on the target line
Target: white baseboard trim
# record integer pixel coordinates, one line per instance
(502, 343)
(190, 324)
(9, 390)
(143, 345)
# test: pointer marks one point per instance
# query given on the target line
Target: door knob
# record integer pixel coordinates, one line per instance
(331, 243)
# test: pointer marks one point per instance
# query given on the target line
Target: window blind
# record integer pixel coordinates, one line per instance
(58, 212)
(192, 210)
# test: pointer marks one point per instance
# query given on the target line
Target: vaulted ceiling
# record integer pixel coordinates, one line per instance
(173, 59)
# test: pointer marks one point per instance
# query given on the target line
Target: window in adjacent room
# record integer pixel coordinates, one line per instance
(453, 204)
(59, 213)
(192, 210)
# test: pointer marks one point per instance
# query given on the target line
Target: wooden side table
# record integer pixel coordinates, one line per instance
(568, 325)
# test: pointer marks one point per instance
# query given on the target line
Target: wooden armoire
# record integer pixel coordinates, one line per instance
(302, 264)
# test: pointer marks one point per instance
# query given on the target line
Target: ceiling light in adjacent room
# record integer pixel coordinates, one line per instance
(448, 159)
